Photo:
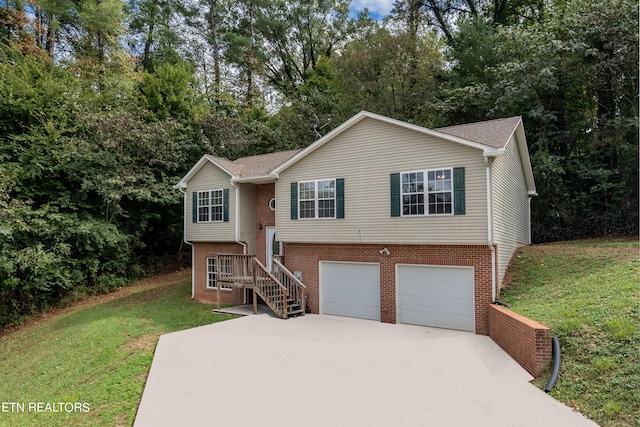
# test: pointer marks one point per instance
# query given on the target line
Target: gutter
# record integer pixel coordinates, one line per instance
(490, 230)
(184, 238)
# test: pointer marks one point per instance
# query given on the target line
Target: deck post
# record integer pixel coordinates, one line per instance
(255, 295)
(217, 278)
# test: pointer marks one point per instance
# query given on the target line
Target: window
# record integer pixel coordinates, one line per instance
(323, 198)
(432, 197)
(212, 275)
(210, 205)
(317, 199)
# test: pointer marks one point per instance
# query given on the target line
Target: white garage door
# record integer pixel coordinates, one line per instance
(441, 297)
(351, 289)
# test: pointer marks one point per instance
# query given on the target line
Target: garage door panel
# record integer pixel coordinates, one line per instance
(351, 289)
(436, 296)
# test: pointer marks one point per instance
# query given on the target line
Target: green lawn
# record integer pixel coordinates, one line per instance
(97, 354)
(588, 293)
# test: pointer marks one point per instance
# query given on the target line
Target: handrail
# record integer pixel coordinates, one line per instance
(295, 288)
(286, 271)
(273, 293)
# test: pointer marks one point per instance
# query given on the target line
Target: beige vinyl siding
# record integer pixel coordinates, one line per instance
(210, 177)
(247, 211)
(365, 155)
(510, 204)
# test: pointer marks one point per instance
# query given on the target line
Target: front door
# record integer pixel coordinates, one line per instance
(273, 246)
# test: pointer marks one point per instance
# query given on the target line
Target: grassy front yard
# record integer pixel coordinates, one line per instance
(95, 354)
(99, 352)
(588, 293)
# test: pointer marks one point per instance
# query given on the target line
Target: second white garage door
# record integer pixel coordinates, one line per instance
(441, 297)
(350, 289)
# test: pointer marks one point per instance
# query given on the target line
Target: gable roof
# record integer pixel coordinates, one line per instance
(261, 165)
(493, 133)
(491, 136)
(250, 168)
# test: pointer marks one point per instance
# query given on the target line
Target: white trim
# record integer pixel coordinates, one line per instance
(273, 199)
(321, 283)
(216, 266)
(184, 239)
(397, 285)
(269, 246)
(490, 228)
(487, 150)
(199, 164)
(426, 192)
(317, 199)
(210, 206)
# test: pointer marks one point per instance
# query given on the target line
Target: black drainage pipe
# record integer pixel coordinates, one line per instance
(504, 304)
(555, 352)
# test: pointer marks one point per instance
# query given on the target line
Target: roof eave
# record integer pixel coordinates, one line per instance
(262, 179)
(182, 184)
(365, 114)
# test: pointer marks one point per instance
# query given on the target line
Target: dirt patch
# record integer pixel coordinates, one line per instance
(157, 285)
(143, 343)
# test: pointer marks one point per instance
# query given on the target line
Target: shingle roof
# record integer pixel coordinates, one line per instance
(494, 133)
(228, 165)
(262, 164)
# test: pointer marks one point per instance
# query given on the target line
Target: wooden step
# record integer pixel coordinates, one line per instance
(295, 313)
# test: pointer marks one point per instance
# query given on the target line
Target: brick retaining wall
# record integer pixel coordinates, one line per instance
(526, 340)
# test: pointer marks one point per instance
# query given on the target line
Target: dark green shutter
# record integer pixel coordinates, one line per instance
(225, 204)
(340, 198)
(194, 206)
(395, 194)
(458, 191)
(294, 200)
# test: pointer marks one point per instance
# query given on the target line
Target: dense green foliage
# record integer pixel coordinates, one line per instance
(587, 293)
(104, 105)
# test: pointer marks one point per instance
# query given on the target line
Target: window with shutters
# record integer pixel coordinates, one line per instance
(210, 205)
(428, 192)
(317, 199)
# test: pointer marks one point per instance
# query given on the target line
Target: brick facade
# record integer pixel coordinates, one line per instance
(265, 217)
(306, 257)
(526, 340)
(202, 251)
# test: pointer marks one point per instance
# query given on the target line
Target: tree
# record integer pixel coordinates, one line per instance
(392, 74)
(297, 34)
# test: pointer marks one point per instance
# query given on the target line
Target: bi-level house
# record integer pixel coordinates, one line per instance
(379, 219)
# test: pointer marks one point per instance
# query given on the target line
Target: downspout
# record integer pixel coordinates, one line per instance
(184, 238)
(237, 234)
(529, 218)
(490, 229)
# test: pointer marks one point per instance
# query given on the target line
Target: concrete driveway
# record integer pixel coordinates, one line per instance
(335, 371)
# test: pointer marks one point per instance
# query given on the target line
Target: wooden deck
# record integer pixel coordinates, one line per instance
(279, 288)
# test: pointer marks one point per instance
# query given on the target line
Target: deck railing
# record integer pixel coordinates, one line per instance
(233, 268)
(270, 290)
(278, 257)
(296, 290)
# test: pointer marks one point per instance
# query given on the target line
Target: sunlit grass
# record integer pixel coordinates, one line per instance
(589, 294)
(98, 355)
